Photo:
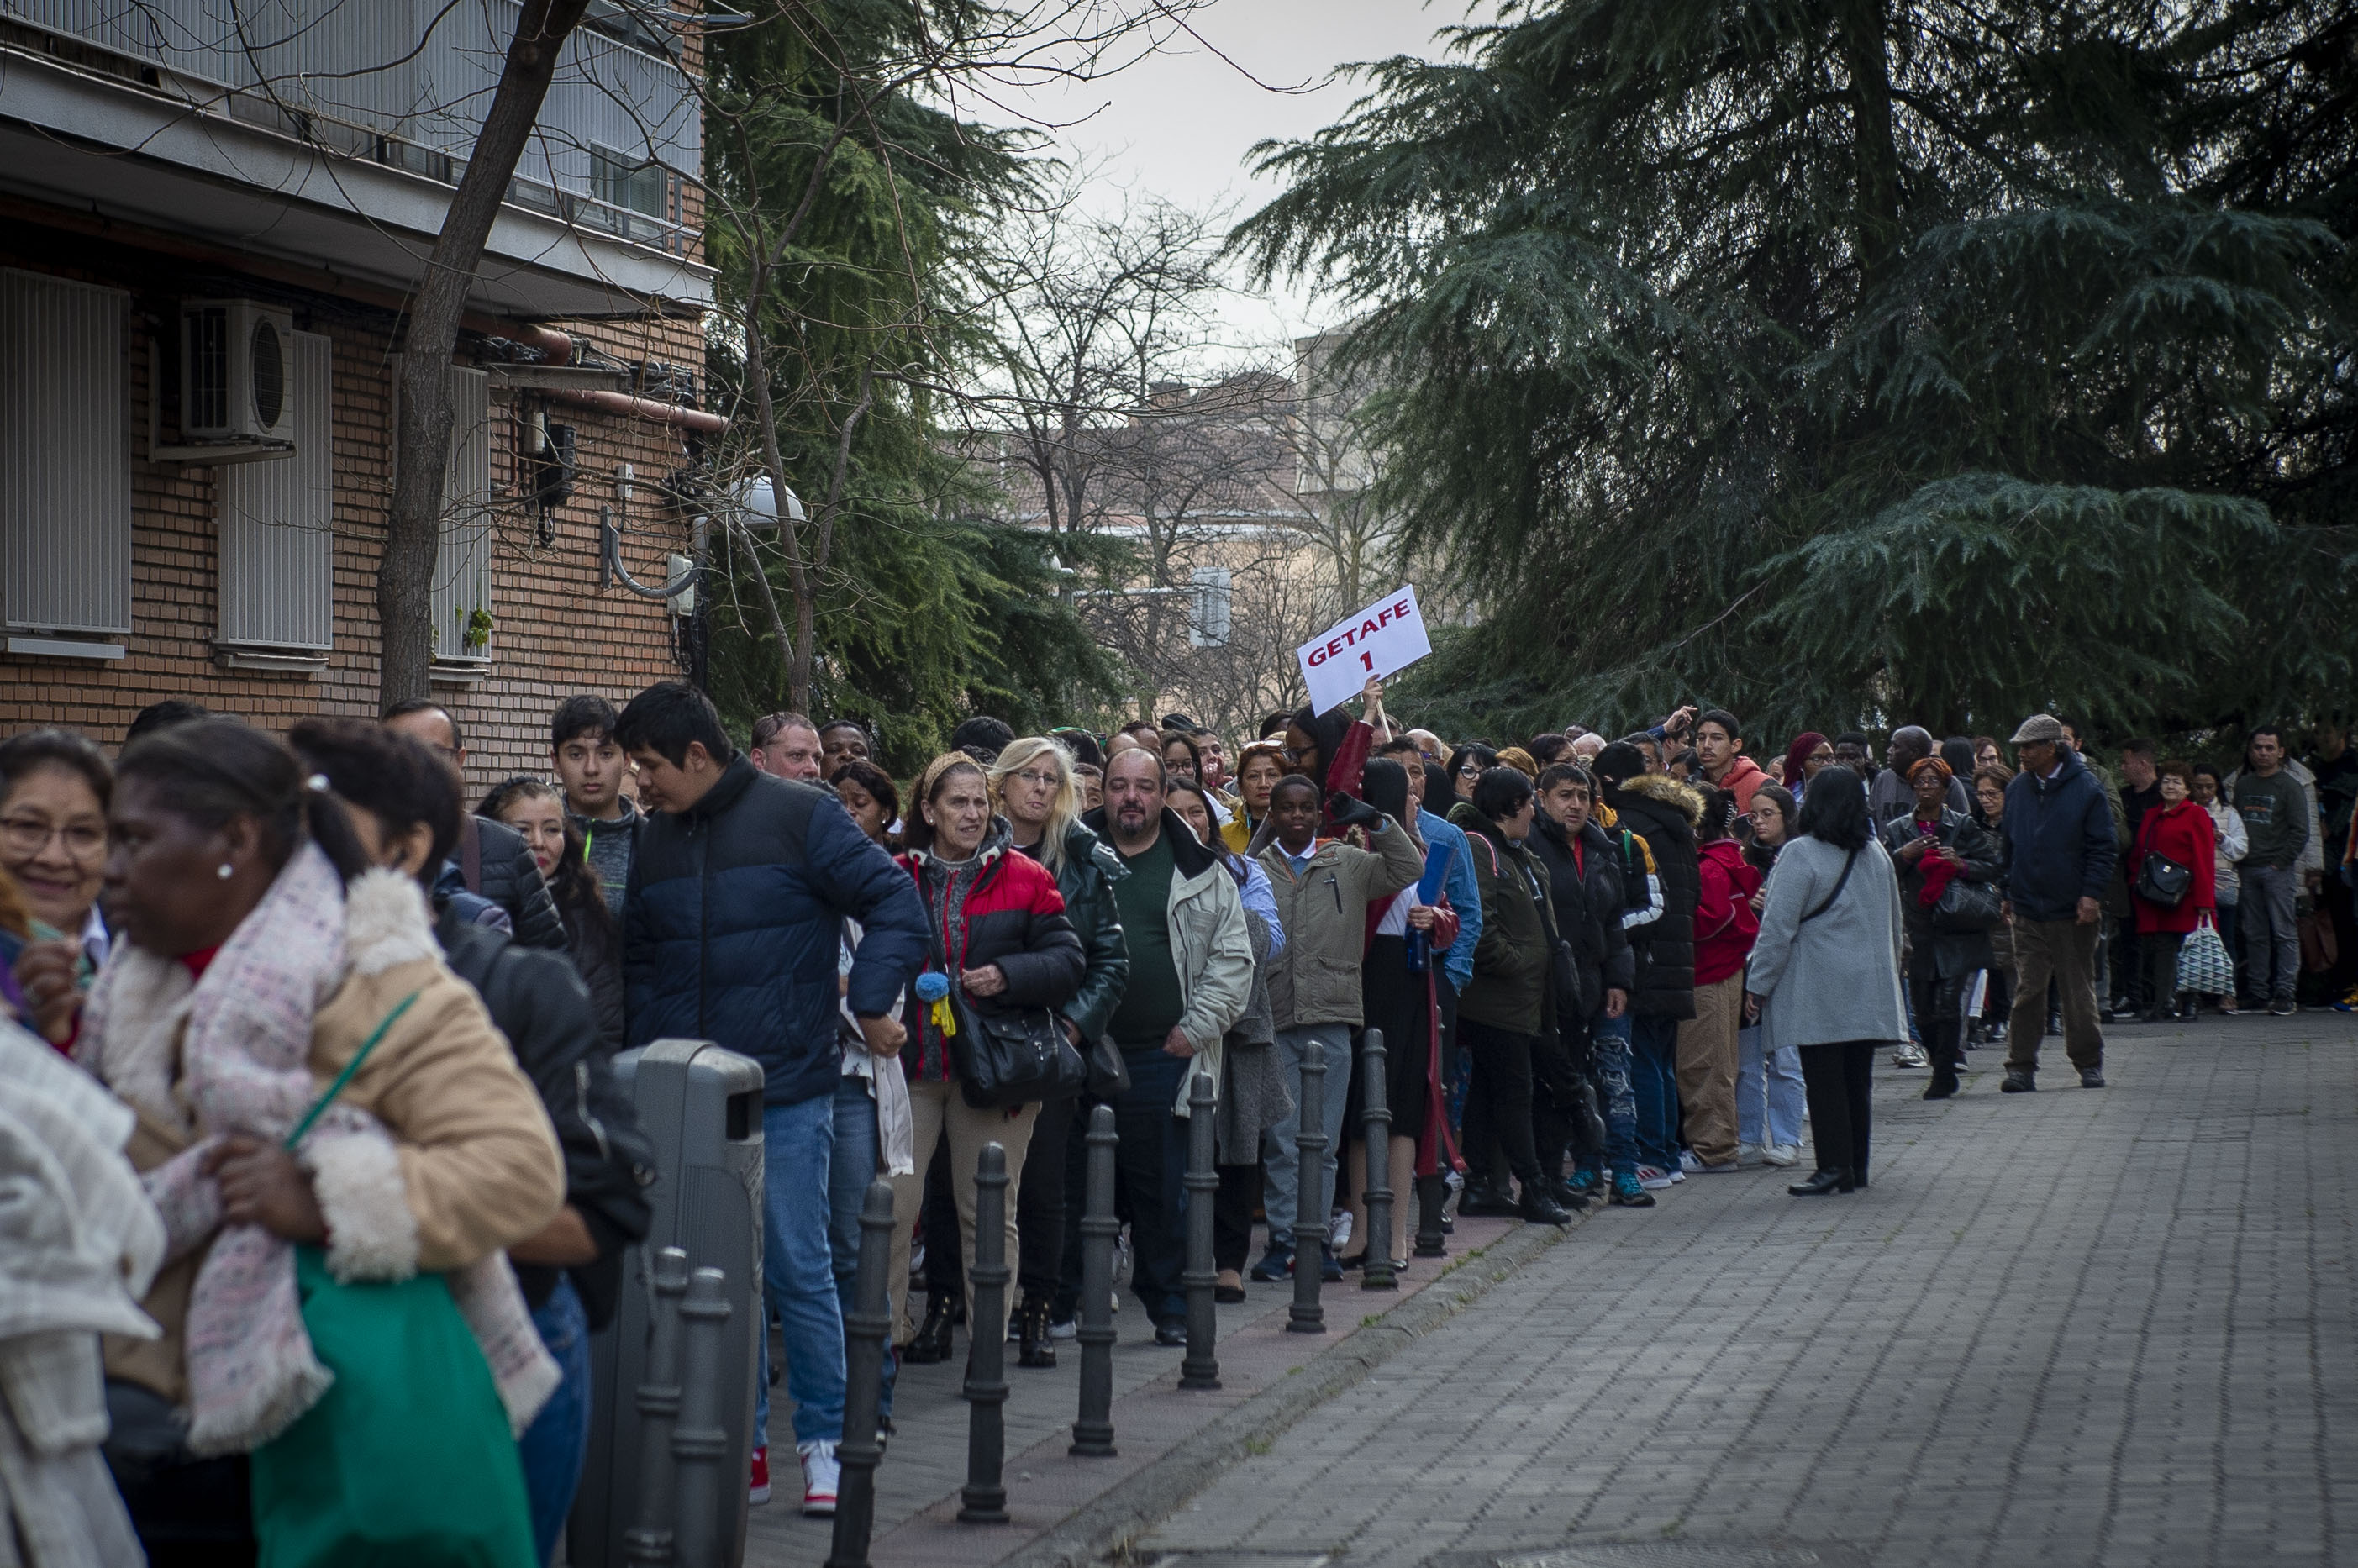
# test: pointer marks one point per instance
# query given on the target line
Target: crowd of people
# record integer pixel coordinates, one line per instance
(365, 1033)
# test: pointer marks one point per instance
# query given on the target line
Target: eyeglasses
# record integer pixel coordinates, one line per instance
(1035, 778)
(1470, 771)
(30, 835)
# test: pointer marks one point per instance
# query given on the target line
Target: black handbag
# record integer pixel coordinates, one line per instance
(1108, 1073)
(1966, 909)
(2163, 881)
(1010, 1057)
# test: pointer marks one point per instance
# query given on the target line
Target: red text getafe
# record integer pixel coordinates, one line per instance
(1334, 647)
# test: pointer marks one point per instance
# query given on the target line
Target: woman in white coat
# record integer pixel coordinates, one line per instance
(1825, 971)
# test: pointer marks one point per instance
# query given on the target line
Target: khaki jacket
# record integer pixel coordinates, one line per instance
(1323, 912)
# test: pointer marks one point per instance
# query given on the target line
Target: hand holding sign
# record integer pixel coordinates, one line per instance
(1355, 652)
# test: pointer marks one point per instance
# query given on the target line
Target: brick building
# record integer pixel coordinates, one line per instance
(207, 233)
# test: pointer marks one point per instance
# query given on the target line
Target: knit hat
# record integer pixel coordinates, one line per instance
(2039, 727)
(1618, 761)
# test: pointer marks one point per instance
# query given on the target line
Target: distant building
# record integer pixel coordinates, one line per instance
(211, 233)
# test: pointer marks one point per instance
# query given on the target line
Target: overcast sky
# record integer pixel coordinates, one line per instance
(1178, 124)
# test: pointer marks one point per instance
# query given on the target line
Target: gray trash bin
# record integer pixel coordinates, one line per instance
(701, 1106)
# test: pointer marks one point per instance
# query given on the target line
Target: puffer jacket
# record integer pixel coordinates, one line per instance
(1012, 916)
(1323, 911)
(2057, 841)
(542, 1007)
(1663, 812)
(1516, 956)
(1086, 879)
(733, 927)
(1589, 899)
(506, 874)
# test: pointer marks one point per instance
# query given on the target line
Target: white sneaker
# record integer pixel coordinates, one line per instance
(1751, 1153)
(1338, 1232)
(821, 1476)
(1653, 1178)
(1066, 1330)
(1782, 1154)
(1910, 1055)
(1687, 1160)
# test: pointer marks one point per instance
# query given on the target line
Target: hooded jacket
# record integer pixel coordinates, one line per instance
(1724, 923)
(1323, 909)
(1589, 898)
(1011, 915)
(1743, 777)
(1211, 946)
(1515, 959)
(2058, 839)
(733, 929)
(1663, 812)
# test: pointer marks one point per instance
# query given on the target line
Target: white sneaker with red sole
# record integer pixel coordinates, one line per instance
(821, 1476)
(757, 1491)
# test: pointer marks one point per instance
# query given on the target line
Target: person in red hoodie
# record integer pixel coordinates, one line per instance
(2183, 834)
(1725, 925)
(1719, 748)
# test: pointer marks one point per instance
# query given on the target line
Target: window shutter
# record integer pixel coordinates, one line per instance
(65, 456)
(462, 570)
(278, 524)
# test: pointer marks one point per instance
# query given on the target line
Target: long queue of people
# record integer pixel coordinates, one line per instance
(367, 1033)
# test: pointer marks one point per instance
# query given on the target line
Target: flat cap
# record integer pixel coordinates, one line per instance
(2039, 727)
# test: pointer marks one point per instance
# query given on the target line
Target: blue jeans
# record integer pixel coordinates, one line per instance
(1770, 1081)
(849, 1170)
(1620, 1107)
(1281, 1146)
(1654, 1084)
(798, 1270)
(553, 1447)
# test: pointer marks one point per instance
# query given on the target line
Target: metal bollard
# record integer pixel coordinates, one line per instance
(1201, 1368)
(1432, 1192)
(1375, 1137)
(1092, 1431)
(983, 1499)
(865, 1331)
(1305, 1316)
(699, 1443)
(649, 1541)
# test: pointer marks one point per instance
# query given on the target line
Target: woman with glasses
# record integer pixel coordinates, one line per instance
(55, 787)
(1809, 753)
(1466, 766)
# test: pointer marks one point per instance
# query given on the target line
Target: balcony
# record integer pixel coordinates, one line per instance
(333, 131)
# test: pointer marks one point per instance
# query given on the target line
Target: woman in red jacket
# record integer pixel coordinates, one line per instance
(2182, 833)
(1725, 927)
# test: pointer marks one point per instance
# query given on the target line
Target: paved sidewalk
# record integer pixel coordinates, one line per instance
(925, 1464)
(2073, 1327)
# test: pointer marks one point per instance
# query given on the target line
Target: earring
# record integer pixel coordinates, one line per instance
(226, 870)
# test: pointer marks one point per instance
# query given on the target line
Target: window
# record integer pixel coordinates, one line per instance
(627, 182)
(65, 463)
(462, 567)
(1208, 598)
(279, 527)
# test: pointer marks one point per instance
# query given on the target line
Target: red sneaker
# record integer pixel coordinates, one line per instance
(759, 1491)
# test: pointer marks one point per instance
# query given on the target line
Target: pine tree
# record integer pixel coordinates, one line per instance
(1845, 360)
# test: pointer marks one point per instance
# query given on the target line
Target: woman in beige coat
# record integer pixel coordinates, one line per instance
(268, 933)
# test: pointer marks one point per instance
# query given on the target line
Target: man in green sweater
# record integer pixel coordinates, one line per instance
(2276, 816)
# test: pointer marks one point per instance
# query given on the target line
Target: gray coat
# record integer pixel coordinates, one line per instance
(1252, 1087)
(1837, 976)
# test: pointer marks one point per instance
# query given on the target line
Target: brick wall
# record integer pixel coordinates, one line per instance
(556, 632)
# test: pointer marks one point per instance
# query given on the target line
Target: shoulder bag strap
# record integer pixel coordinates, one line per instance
(1828, 901)
(319, 1106)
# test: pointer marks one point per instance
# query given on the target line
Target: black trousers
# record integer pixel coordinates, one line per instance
(1502, 1078)
(1837, 1079)
(1232, 1215)
(1555, 1099)
(2127, 955)
(1937, 1002)
(2161, 950)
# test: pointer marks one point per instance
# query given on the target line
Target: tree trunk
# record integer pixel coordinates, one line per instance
(405, 593)
(1875, 152)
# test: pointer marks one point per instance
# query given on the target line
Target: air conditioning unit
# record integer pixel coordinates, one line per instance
(237, 373)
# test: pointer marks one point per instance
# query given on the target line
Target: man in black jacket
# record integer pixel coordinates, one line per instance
(1663, 812)
(492, 858)
(1586, 878)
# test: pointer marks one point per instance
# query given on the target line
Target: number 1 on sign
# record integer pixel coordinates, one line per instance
(1368, 662)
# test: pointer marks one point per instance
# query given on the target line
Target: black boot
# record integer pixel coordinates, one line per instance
(1942, 1045)
(933, 1341)
(1037, 1350)
(1487, 1198)
(1821, 1183)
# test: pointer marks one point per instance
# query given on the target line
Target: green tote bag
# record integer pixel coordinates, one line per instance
(407, 1458)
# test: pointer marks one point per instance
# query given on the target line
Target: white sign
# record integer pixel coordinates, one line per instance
(1388, 635)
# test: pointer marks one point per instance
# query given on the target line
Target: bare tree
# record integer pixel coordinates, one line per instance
(404, 591)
